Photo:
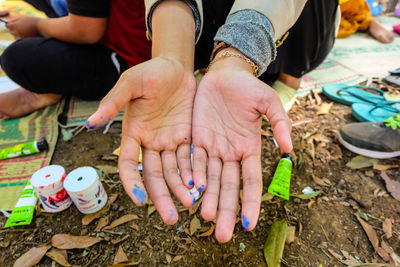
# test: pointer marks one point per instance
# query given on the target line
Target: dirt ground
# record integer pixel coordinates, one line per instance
(323, 224)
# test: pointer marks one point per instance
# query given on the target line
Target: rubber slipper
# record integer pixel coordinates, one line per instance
(375, 113)
(350, 94)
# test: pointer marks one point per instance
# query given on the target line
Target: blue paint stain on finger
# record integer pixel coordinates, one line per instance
(202, 188)
(139, 194)
(185, 138)
(190, 182)
(245, 223)
(172, 217)
(194, 201)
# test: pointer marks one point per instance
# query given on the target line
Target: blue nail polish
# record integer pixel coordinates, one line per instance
(245, 223)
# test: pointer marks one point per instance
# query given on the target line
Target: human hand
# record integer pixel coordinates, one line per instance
(227, 116)
(158, 95)
(24, 27)
(4, 13)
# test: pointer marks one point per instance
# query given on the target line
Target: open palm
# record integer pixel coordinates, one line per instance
(158, 95)
(227, 116)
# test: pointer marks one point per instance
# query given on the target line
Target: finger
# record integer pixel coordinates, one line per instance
(185, 164)
(252, 190)
(210, 200)
(281, 125)
(228, 201)
(199, 168)
(124, 91)
(155, 184)
(174, 180)
(128, 169)
(4, 13)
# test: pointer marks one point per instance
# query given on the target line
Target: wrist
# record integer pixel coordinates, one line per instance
(233, 59)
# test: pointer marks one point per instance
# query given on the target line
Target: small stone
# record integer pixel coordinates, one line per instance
(269, 222)
(365, 203)
(242, 247)
(341, 182)
(49, 231)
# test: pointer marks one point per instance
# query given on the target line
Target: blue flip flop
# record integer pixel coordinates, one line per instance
(350, 94)
(375, 113)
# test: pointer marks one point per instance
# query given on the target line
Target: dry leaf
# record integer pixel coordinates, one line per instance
(150, 209)
(195, 207)
(267, 197)
(392, 186)
(107, 168)
(59, 256)
(90, 217)
(31, 257)
(394, 257)
(379, 167)
(322, 182)
(321, 138)
(120, 256)
(65, 241)
(102, 222)
(266, 133)
(387, 227)
(317, 97)
(273, 248)
(122, 220)
(361, 162)
(208, 232)
(177, 258)
(4, 244)
(290, 234)
(195, 225)
(119, 240)
(309, 204)
(134, 226)
(350, 260)
(324, 108)
(301, 122)
(168, 257)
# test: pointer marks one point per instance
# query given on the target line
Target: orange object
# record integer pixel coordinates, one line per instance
(355, 16)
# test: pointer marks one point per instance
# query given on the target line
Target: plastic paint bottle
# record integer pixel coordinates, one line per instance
(280, 185)
(24, 149)
(23, 212)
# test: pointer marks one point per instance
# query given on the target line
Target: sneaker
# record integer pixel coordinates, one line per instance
(374, 140)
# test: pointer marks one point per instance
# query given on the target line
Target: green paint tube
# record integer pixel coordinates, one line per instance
(23, 149)
(23, 212)
(280, 185)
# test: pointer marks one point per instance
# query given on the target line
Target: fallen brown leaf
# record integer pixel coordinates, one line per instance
(134, 226)
(324, 108)
(65, 241)
(120, 256)
(387, 227)
(317, 97)
(309, 204)
(359, 162)
(194, 225)
(290, 234)
(102, 222)
(90, 217)
(59, 255)
(119, 240)
(392, 186)
(168, 257)
(150, 209)
(319, 181)
(122, 220)
(4, 244)
(195, 207)
(345, 261)
(208, 232)
(266, 133)
(177, 258)
(379, 167)
(301, 122)
(31, 257)
(393, 256)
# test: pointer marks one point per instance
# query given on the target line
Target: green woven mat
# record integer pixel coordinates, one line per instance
(14, 173)
(79, 111)
(354, 59)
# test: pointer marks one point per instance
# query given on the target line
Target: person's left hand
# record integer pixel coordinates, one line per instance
(24, 27)
(227, 116)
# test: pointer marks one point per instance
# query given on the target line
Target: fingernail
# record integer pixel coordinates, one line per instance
(140, 194)
(245, 223)
(190, 182)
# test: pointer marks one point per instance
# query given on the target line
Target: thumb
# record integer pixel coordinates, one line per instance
(126, 89)
(281, 125)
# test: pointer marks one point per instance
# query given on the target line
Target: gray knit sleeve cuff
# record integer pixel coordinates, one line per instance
(252, 34)
(191, 4)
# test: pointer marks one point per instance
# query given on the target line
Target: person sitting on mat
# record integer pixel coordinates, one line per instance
(356, 16)
(82, 54)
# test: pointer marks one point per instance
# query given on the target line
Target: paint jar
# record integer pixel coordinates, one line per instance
(85, 189)
(48, 185)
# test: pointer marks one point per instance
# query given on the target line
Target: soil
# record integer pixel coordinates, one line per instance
(324, 223)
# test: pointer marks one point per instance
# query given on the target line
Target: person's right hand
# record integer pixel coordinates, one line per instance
(24, 27)
(158, 95)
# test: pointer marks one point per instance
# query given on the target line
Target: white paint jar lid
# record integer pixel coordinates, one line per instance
(47, 176)
(81, 179)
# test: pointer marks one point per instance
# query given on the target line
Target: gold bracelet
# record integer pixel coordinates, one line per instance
(230, 54)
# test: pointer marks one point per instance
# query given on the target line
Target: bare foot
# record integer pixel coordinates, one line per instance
(20, 102)
(379, 32)
(290, 80)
